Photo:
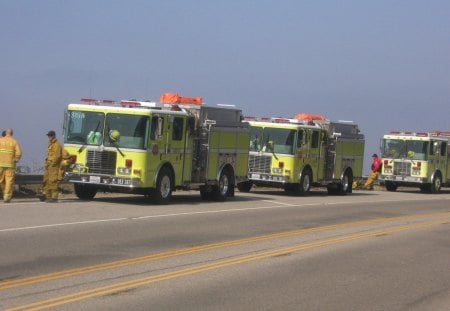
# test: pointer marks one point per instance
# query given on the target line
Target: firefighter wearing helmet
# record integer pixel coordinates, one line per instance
(52, 168)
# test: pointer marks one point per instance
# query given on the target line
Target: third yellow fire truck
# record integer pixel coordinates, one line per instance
(416, 160)
(305, 151)
(153, 148)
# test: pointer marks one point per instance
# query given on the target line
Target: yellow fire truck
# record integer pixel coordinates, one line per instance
(415, 160)
(305, 151)
(154, 148)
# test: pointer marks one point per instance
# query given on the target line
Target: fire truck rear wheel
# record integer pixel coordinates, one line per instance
(345, 186)
(223, 189)
(85, 192)
(163, 191)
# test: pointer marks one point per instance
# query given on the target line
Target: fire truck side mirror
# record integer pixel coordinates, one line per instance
(436, 147)
(304, 141)
(159, 129)
(191, 124)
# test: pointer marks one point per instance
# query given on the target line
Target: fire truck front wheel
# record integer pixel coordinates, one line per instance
(390, 186)
(84, 192)
(305, 183)
(436, 183)
(245, 186)
(163, 191)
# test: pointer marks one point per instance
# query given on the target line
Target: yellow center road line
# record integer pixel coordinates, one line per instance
(123, 286)
(190, 250)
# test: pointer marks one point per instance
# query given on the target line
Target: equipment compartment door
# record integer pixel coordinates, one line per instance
(181, 164)
(317, 155)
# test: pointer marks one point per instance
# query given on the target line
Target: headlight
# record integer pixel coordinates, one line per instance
(124, 171)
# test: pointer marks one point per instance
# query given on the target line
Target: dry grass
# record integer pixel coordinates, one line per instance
(31, 190)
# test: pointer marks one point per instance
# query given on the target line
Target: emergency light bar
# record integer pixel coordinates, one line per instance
(277, 120)
(422, 134)
(171, 98)
(91, 101)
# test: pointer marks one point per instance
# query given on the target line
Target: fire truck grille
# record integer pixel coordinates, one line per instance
(259, 164)
(101, 162)
(402, 168)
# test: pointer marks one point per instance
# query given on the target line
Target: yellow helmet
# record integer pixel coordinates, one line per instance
(114, 135)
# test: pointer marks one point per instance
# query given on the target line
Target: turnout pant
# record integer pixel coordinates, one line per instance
(50, 182)
(371, 179)
(7, 175)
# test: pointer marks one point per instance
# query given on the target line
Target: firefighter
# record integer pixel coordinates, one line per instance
(52, 168)
(376, 168)
(10, 154)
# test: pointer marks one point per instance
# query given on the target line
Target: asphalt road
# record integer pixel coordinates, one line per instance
(265, 250)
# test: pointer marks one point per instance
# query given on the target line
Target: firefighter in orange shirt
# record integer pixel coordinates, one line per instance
(375, 171)
(10, 154)
(52, 167)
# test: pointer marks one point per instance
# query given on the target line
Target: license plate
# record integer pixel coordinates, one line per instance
(94, 179)
(255, 176)
(121, 181)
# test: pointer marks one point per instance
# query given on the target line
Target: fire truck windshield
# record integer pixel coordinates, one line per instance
(405, 149)
(84, 127)
(275, 140)
(126, 131)
(114, 130)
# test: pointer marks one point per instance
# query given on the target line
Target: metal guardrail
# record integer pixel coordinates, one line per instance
(28, 179)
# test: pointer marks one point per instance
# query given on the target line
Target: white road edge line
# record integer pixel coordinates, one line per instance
(282, 205)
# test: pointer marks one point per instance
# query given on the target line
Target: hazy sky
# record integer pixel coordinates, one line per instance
(383, 64)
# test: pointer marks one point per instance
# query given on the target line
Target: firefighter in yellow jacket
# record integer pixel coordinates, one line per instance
(10, 154)
(52, 167)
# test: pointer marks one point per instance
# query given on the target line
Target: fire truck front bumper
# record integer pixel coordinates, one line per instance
(402, 179)
(267, 178)
(104, 180)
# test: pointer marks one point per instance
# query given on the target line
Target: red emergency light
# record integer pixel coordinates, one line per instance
(130, 103)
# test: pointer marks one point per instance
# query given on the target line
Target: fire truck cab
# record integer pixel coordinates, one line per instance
(154, 148)
(414, 159)
(305, 151)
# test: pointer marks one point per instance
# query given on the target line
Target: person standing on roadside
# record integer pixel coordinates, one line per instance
(51, 169)
(10, 154)
(375, 170)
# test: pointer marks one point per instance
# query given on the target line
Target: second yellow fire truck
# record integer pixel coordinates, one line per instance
(305, 151)
(414, 159)
(154, 148)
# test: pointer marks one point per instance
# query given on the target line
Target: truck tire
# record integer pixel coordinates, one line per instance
(436, 183)
(206, 194)
(163, 191)
(345, 187)
(390, 186)
(222, 190)
(85, 192)
(304, 184)
(245, 186)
